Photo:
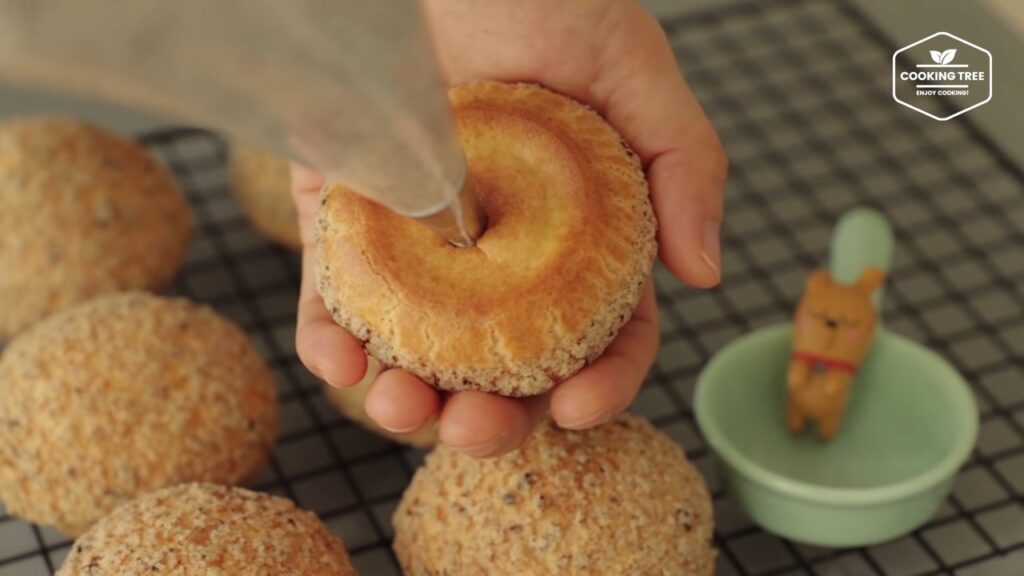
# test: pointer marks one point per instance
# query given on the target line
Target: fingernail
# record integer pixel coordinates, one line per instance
(711, 247)
(410, 429)
(598, 419)
(485, 448)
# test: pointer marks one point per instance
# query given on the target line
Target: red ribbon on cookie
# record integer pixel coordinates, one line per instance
(830, 363)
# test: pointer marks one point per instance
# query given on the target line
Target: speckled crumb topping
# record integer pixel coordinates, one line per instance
(208, 530)
(126, 394)
(619, 499)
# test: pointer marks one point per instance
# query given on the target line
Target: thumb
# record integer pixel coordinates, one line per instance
(306, 185)
(647, 99)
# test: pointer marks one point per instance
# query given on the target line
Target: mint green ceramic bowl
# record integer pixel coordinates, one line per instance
(910, 424)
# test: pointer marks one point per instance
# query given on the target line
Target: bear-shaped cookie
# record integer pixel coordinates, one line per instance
(833, 330)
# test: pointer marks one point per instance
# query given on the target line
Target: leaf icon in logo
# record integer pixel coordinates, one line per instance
(948, 55)
(936, 56)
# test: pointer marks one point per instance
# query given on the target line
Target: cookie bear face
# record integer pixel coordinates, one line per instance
(837, 321)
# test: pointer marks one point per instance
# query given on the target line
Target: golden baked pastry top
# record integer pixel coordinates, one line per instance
(567, 249)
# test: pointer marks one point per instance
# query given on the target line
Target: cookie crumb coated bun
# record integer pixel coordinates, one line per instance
(350, 401)
(208, 530)
(83, 212)
(569, 244)
(126, 394)
(262, 185)
(618, 499)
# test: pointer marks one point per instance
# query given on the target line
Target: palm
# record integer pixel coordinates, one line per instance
(611, 55)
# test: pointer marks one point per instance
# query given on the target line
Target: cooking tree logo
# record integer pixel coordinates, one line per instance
(942, 76)
(943, 57)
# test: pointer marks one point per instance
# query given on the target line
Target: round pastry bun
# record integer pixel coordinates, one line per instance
(618, 499)
(262, 184)
(350, 401)
(126, 394)
(569, 245)
(208, 530)
(83, 212)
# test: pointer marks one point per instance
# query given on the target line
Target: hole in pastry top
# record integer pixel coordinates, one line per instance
(532, 194)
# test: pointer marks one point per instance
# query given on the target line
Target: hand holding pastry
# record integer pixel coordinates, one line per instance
(613, 56)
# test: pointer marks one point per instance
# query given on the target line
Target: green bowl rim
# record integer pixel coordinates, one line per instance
(944, 470)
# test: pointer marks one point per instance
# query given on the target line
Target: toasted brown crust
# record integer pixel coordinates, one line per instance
(619, 499)
(126, 394)
(262, 184)
(207, 530)
(82, 212)
(349, 401)
(569, 244)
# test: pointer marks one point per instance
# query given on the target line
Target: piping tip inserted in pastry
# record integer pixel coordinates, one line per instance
(569, 244)
(462, 221)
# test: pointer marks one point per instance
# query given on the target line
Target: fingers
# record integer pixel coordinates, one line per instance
(402, 403)
(476, 423)
(645, 97)
(485, 425)
(606, 388)
(687, 192)
(327, 350)
(306, 186)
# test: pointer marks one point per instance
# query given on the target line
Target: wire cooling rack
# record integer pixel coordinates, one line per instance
(800, 93)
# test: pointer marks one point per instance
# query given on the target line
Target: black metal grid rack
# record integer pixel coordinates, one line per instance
(800, 93)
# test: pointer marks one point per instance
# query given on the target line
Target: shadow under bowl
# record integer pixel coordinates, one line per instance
(910, 424)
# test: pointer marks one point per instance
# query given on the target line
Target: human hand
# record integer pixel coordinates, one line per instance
(612, 55)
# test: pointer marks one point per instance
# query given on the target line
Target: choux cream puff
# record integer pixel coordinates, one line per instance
(83, 212)
(207, 530)
(569, 244)
(618, 499)
(126, 394)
